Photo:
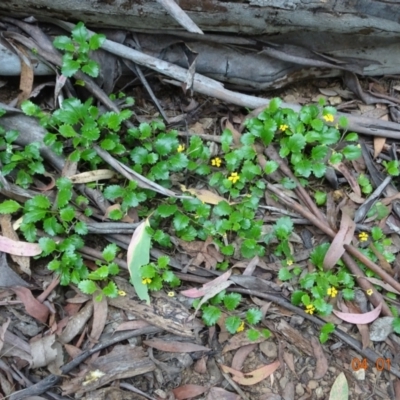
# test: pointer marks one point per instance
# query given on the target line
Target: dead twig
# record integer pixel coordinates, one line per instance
(180, 16)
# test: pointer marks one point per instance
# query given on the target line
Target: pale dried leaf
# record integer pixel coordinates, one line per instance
(379, 144)
(76, 323)
(251, 266)
(216, 393)
(195, 293)
(188, 391)
(322, 363)
(92, 176)
(26, 75)
(388, 200)
(362, 328)
(14, 346)
(231, 371)
(19, 248)
(236, 135)
(241, 355)
(289, 360)
(341, 167)
(204, 195)
(200, 366)
(72, 350)
(45, 351)
(8, 231)
(356, 198)
(130, 325)
(365, 318)
(256, 376)
(344, 236)
(327, 92)
(33, 307)
(100, 310)
(7, 387)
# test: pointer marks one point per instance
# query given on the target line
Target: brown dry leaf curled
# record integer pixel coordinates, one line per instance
(253, 377)
(344, 236)
(188, 391)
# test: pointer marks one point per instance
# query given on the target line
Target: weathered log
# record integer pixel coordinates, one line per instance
(294, 40)
(253, 17)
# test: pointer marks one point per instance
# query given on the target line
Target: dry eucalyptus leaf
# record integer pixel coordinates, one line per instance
(76, 323)
(204, 195)
(46, 351)
(8, 231)
(92, 176)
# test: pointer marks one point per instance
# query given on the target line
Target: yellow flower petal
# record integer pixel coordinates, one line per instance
(328, 117)
(363, 236)
(241, 327)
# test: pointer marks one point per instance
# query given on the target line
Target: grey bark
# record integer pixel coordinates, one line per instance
(290, 39)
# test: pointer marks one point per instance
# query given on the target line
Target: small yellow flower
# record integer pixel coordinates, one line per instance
(234, 177)
(289, 262)
(369, 292)
(310, 309)
(359, 145)
(363, 236)
(146, 281)
(171, 294)
(216, 162)
(283, 127)
(241, 327)
(121, 293)
(332, 291)
(328, 117)
(180, 148)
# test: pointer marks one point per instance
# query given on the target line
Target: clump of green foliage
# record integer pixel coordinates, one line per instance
(27, 162)
(76, 51)
(234, 322)
(309, 140)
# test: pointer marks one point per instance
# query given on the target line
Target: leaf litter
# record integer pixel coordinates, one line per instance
(168, 323)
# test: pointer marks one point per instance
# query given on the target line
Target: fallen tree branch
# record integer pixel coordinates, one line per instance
(213, 88)
(180, 16)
